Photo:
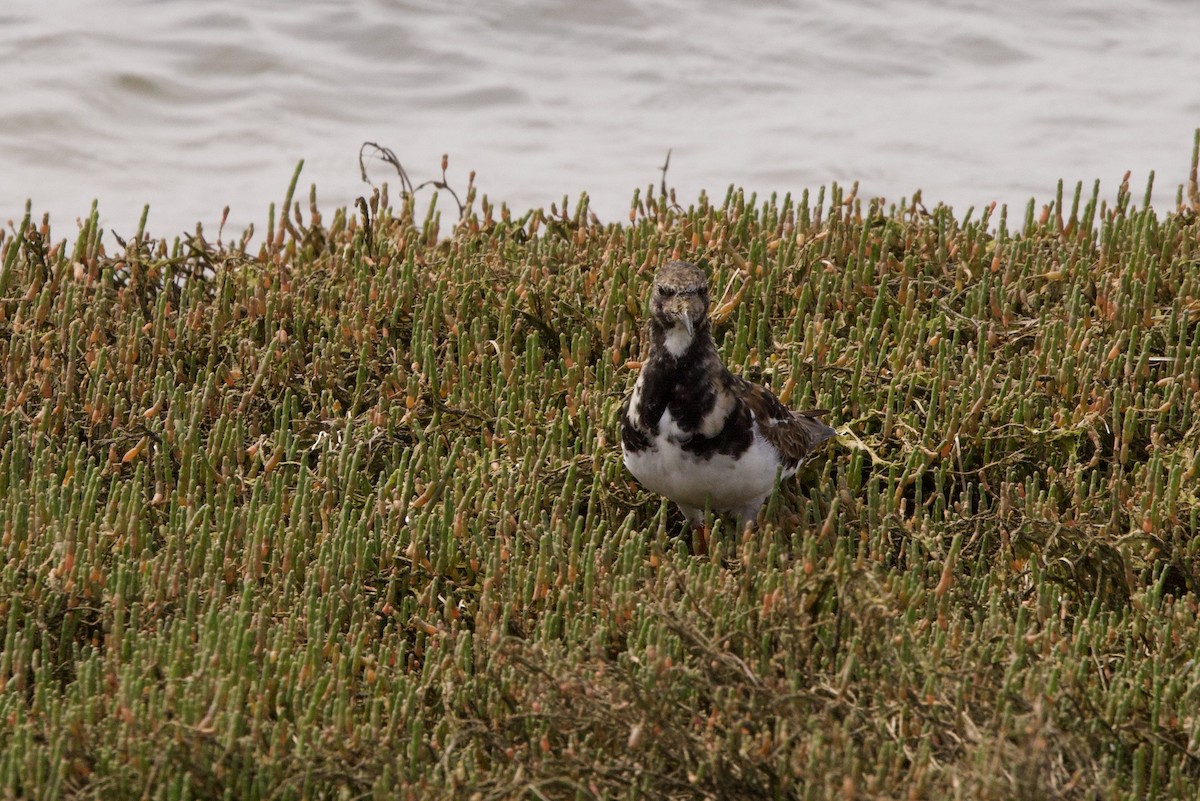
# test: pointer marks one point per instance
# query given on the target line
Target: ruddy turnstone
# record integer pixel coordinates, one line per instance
(693, 431)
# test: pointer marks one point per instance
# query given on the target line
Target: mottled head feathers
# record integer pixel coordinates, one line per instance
(679, 304)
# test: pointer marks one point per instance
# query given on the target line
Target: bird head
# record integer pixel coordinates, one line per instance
(680, 298)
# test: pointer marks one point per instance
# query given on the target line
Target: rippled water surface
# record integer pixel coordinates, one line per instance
(194, 106)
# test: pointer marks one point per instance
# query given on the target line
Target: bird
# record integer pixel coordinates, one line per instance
(696, 433)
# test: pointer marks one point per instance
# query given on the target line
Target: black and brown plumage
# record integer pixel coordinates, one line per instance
(695, 432)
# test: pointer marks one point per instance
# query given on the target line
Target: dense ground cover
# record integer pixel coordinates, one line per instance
(343, 515)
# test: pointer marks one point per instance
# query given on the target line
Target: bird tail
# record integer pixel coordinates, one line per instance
(814, 429)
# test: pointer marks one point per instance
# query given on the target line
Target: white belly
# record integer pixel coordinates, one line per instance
(719, 482)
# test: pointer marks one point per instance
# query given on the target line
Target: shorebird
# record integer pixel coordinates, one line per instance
(695, 432)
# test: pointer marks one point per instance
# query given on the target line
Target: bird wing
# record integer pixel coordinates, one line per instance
(794, 434)
(633, 437)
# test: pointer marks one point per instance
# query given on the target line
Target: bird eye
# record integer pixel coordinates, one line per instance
(666, 291)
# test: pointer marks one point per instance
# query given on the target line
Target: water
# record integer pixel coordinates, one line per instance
(190, 107)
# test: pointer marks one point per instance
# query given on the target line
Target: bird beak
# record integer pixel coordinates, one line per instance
(687, 321)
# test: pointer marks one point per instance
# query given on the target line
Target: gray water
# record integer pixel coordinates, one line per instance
(192, 106)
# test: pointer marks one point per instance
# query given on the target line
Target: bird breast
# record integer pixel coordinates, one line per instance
(723, 481)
